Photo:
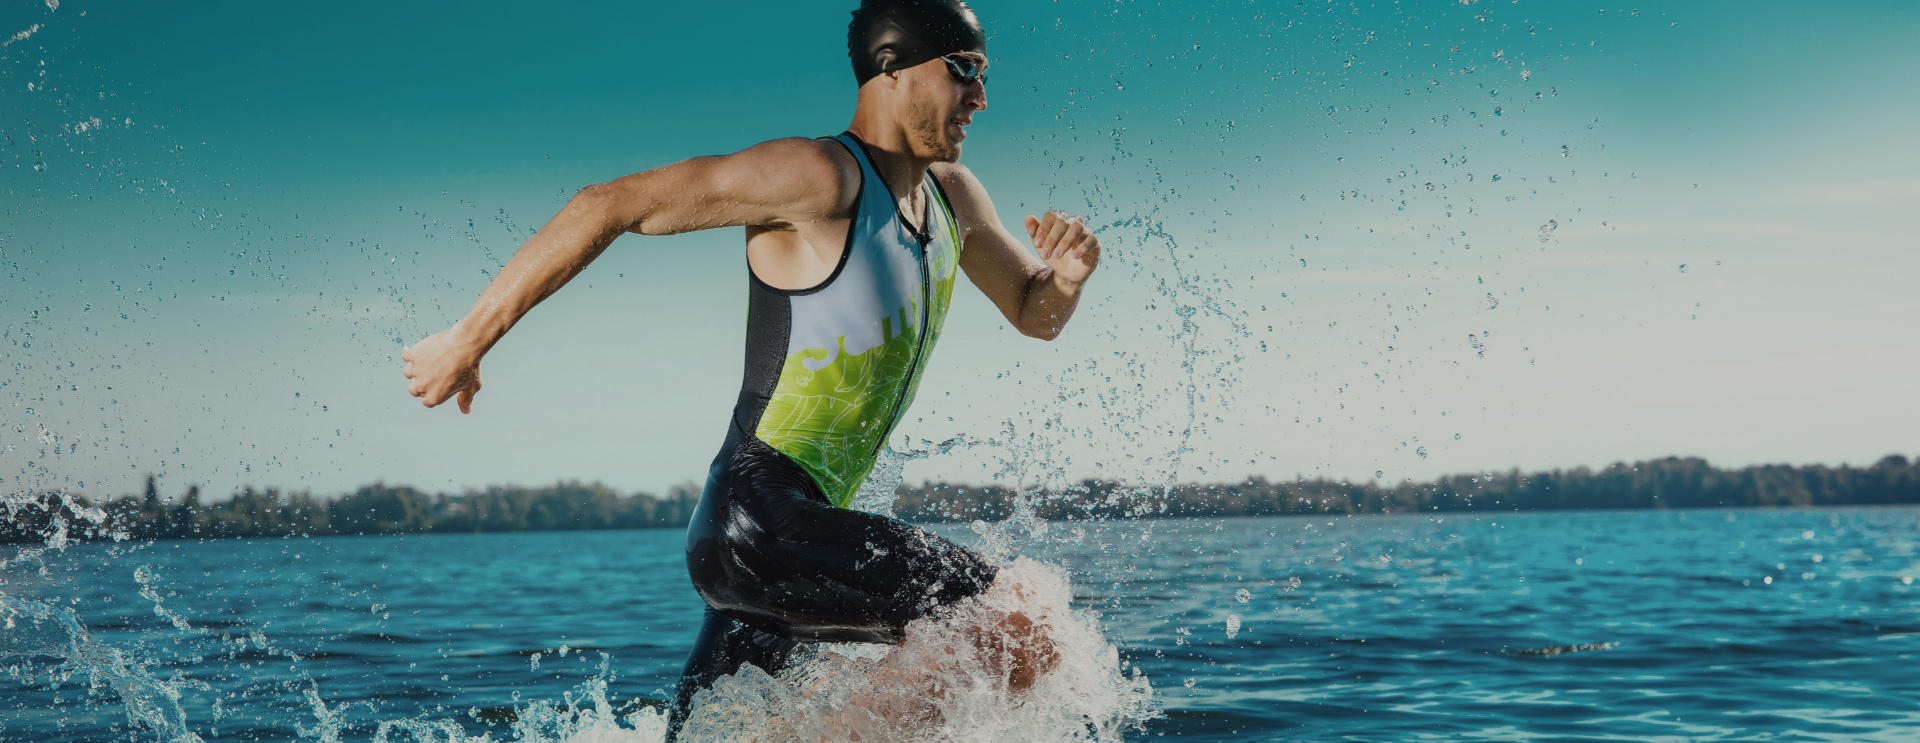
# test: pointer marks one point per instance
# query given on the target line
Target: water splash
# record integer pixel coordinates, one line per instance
(21, 36)
(584, 715)
(939, 685)
(45, 644)
(878, 492)
(1091, 696)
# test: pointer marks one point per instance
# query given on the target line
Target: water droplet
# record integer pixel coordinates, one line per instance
(1545, 233)
(1242, 596)
(1377, 474)
(1456, 437)
(1422, 451)
(1683, 268)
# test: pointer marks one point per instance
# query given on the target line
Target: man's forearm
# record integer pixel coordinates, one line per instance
(1048, 304)
(551, 258)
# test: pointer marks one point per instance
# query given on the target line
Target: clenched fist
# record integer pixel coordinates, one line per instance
(441, 366)
(1065, 244)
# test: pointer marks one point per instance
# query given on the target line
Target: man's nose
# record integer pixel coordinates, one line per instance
(976, 97)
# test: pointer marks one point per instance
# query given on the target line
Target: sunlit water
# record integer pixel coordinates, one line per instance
(1699, 625)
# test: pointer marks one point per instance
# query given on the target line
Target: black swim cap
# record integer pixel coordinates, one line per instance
(888, 35)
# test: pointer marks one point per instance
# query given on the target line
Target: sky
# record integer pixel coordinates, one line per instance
(1350, 240)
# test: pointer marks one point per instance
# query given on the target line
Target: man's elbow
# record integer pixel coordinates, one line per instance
(608, 205)
(595, 201)
(594, 196)
(1045, 331)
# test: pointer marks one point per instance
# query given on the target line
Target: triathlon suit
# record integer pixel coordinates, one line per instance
(830, 370)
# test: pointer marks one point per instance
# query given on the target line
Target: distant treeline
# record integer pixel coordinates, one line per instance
(373, 509)
(384, 509)
(1673, 482)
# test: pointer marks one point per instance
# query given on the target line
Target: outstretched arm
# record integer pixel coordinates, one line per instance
(773, 184)
(1037, 290)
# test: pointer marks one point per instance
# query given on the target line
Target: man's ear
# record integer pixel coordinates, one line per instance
(885, 57)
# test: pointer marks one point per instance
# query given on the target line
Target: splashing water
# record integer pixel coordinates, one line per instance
(877, 493)
(50, 632)
(46, 644)
(1546, 231)
(864, 692)
(939, 685)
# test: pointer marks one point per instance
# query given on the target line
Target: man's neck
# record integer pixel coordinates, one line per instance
(888, 149)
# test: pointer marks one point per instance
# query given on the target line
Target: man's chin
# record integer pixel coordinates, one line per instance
(939, 149)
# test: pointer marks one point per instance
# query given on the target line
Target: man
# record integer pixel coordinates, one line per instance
(852, 246)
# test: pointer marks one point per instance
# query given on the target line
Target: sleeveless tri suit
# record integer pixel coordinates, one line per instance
(830, 370)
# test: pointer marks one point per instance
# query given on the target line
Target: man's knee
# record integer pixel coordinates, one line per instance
(1021, 648)
(1034, 653)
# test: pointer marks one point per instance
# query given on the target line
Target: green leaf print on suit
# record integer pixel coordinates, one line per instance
(832, 418)
(850, 352)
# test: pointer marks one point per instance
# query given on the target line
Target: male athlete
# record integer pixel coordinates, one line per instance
(852, 246)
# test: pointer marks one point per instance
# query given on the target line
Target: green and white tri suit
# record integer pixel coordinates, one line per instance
(831, 369)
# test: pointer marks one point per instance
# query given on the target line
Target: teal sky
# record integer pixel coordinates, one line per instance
(1342, 238)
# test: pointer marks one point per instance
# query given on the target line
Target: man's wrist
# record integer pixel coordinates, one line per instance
(479, 330)
(1065, 284)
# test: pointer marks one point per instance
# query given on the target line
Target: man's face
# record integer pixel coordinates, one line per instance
(940, 106)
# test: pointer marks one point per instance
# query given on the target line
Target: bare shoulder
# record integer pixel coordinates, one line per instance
(812, 157)
(822, 163)
(955, 177)
(968, 197)
(809, 179)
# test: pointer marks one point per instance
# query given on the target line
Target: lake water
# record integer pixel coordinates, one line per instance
(1697, 625)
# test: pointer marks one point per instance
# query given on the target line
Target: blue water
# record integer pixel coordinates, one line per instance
(1698, 625)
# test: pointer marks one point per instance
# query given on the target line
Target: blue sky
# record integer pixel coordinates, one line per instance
(1343, 238)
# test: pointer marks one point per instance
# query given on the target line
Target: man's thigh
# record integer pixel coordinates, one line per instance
(790, 563)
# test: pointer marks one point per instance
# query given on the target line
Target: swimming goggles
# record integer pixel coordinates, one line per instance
(964, 69)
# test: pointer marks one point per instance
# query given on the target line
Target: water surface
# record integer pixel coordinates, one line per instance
(1696, 625)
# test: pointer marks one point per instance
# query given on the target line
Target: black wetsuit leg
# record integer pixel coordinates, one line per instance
(724, 644)
(778, 564)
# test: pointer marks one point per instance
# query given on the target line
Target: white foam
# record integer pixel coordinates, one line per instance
(939, 685)
(936, 686)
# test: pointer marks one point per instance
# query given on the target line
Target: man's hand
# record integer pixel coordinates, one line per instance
(442, 365)
(1065, 244)
(1036, 291)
